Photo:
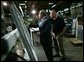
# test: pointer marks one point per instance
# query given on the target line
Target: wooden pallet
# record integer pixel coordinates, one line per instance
(76, 41)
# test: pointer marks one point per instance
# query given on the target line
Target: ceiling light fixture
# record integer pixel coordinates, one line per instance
(22, 4)
(53, 5)
(33, 11)
(5, 3)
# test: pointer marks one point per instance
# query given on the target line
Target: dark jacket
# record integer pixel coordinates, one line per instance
(45, 37)
(44, 27)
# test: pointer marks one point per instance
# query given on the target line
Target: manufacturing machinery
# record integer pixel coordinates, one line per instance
(17, 44)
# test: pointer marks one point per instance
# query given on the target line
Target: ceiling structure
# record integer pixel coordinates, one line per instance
(38, 5)
(45, 4)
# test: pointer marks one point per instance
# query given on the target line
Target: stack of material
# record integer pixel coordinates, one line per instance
(76, 41)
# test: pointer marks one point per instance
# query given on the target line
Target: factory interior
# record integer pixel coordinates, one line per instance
(20, 39)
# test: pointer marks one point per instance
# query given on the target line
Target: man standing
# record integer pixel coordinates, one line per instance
(45, 35)
(58, 28)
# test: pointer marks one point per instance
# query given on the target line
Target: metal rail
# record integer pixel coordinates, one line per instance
(26, 39)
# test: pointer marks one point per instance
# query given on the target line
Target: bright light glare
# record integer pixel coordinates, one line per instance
(5, 3)
(33, 11)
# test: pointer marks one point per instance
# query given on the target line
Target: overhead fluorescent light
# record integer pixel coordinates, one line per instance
(53, 5)
(79, 5)
(60, 11)
(66, 9)
(22, 4)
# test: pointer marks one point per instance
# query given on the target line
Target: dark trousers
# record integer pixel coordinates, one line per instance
(58, 42)
(46, 43)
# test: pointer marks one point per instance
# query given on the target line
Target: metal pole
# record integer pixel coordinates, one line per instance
(23, 31)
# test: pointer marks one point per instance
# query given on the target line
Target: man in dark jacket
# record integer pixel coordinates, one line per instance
(58, 28)
(45, 35)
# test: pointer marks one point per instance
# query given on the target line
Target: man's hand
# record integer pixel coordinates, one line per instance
(53, 34)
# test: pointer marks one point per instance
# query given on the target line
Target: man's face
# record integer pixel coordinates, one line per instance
(53, 14)
(40, 15)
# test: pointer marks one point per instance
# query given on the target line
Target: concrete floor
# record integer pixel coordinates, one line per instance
(38, 49)
(73, 53)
